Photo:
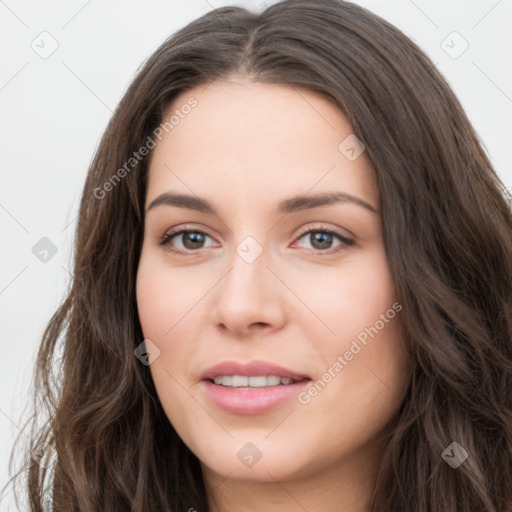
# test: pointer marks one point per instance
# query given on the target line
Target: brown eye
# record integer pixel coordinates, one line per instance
(192, 239)
(185, 240)
(322, 240)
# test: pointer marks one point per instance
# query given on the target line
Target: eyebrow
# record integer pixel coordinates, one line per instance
(290, 205)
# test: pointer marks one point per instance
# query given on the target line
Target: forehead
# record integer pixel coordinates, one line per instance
(250, 138)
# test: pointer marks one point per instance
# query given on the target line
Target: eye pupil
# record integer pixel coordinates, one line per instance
(324, 239)
(196, 239)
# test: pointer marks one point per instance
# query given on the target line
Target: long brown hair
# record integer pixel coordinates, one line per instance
(447, 231)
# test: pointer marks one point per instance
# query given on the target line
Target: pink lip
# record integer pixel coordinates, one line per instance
(247, 400)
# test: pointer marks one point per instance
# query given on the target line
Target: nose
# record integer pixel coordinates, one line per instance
(250, 298)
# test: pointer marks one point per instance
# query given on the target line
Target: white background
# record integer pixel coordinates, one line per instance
(53, 112)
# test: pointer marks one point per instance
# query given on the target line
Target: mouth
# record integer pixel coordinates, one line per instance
(248, 382)
(253, 388)
(232, 373)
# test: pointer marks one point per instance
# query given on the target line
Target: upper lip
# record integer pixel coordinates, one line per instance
(251, 369)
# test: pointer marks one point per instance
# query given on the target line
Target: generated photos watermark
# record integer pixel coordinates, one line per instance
(173, 120)
(147, 352)
(357, 345)
(454, 455)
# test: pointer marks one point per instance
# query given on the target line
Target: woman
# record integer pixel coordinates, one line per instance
(292, 284)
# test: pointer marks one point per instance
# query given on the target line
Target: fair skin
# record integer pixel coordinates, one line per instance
(300, 304)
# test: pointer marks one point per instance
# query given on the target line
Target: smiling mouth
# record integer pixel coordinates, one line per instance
(252, 394)
(260, 381)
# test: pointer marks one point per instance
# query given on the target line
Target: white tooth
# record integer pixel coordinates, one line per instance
(255, 382)
(273, 380)
(240, 380)
(226, 380)
(258, 382)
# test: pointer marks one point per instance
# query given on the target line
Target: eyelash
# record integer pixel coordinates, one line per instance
(346, 242)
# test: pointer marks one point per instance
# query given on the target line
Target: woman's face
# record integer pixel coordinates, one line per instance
(273, 270)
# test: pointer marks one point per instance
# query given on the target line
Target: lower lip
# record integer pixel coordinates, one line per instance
(251, 400)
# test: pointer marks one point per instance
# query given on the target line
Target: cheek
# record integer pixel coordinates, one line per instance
(361, 311)
(347, 299)
(162, 302)
(172, 311)
(151, 302)
(163, 295)
(371, 336)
